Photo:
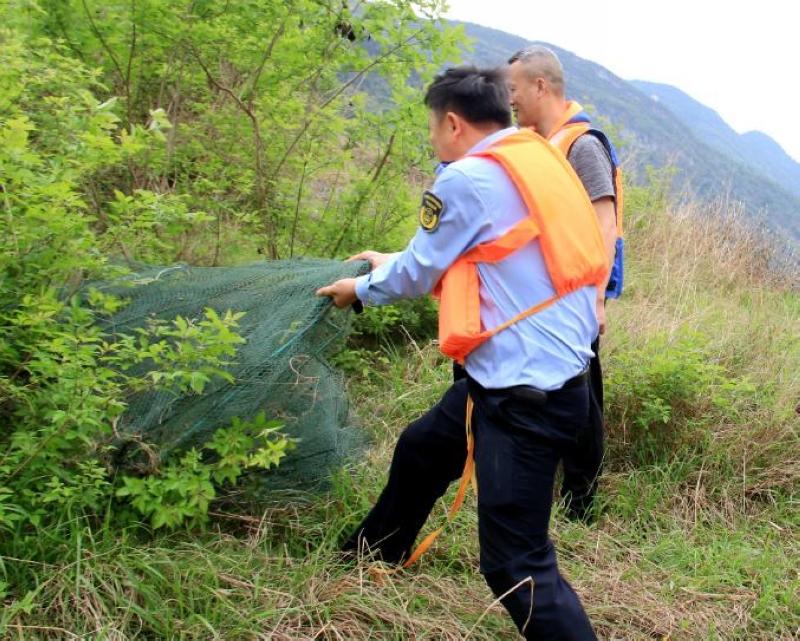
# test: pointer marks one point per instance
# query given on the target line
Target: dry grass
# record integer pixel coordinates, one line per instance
(702, 269)
(701, 544)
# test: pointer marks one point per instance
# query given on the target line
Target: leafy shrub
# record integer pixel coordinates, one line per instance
(416, 319)
(183, 489)
(64, 382)
(661, 395)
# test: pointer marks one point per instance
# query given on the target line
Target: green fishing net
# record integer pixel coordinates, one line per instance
(281, 369)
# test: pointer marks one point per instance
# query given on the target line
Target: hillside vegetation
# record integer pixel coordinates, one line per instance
(753, 148)
(218, 133)
(665, 133)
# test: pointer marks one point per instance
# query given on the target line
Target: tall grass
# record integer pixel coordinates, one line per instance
(697, 535)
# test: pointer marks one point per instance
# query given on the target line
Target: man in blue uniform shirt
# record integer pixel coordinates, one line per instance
(518, 442)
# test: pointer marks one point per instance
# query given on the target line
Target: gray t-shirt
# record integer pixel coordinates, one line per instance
(591, 162)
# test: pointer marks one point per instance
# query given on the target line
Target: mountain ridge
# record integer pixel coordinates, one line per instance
(756, 149)
(707, 162)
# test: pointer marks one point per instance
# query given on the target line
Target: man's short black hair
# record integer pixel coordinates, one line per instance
(480, 96)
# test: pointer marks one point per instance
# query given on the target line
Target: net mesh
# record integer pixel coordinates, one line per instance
(280, 370)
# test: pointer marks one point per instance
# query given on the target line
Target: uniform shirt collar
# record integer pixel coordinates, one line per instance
(491, 139)
(480, 146)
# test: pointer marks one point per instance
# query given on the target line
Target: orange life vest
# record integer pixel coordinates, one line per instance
(571, 126)
(560, 216)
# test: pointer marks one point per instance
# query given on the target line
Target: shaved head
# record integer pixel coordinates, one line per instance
(540, 62)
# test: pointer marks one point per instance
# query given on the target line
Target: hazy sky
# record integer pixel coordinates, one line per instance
(742, 59)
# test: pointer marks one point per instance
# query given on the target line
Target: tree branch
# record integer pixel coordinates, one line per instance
(131, 53)
(338, 93)
(261, 188)
(297, 208)
(103, 42)
(267, 56)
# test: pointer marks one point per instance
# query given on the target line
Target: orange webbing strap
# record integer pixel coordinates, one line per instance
(528, 312)
(467, 476)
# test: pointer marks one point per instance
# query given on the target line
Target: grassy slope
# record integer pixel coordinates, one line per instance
(698, 536)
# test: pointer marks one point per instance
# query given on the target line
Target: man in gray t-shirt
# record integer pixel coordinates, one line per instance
(591, 162)
(536, 80)
(582, 468)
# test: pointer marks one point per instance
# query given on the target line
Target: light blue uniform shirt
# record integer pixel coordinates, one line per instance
(481, 203)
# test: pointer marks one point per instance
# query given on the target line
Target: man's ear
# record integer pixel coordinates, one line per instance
(541, 86)
(454, 124)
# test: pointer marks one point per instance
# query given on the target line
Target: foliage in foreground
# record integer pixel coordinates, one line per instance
(159, 132)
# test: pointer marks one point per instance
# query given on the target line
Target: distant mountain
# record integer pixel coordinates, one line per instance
(708, 163)
(755, 149)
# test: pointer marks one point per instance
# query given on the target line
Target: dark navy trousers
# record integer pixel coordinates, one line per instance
(583, 464)
(518, 446)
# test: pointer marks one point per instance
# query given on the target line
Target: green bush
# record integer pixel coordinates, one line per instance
(416, 319)
(267, 123)
(182, 490)
(662, 395)
(156, 132)
(63, 382)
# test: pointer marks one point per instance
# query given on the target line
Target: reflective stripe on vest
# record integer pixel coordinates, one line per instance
(560, 216)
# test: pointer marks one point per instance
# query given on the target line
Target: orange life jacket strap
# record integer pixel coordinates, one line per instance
(565, 137)
(467, 476)
(496, 250)
(528, 312)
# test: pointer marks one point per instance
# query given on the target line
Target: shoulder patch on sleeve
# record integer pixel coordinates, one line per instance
(430, 211)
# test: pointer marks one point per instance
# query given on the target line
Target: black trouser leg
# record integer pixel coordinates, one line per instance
(583, 464)
(429, 455)
(517, 450)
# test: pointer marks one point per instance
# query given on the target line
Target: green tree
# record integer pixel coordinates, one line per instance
(268, 127)
(63, 382)
(206, 132)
